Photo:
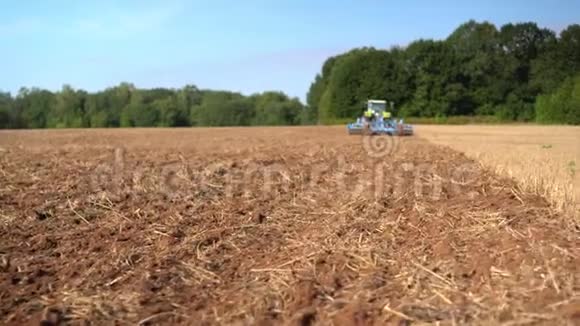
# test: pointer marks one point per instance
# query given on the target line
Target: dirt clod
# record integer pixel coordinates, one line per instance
(41, 216)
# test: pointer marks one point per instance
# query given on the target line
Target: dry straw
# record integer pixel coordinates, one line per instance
(545, 160)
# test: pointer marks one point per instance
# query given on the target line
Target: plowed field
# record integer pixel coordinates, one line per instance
(261, 226)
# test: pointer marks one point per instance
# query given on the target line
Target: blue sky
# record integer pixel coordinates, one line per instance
(247, 46)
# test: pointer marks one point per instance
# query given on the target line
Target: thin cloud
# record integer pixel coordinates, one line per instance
(125, 22)
(104, 21)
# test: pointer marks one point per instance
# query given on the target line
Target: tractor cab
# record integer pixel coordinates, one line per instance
(378, 106)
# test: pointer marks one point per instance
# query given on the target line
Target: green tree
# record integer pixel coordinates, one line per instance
(560, 60)
(561, 106)
(435, 81)
(187, 98)
(310, 113)
(5, 110)
(114, 100)
(275, 108)
(477, 70)
(359, 75)
(68, 110)
(220, 108)
(523, 43)
(96, 109)
(169, 114)
(38, 104)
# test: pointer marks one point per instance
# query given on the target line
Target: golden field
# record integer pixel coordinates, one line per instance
(543, 159)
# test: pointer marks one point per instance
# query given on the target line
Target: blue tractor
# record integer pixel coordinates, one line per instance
(378, 121)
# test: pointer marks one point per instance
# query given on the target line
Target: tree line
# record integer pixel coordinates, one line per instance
(127, 106)
(519, 72)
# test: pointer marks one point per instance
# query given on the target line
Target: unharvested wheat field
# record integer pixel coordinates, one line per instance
(246, 226)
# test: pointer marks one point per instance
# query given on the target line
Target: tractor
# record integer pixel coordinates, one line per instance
(374, 122)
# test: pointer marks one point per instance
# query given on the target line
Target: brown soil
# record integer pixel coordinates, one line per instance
(247, 226)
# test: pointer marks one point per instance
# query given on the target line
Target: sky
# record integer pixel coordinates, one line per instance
(246, 46)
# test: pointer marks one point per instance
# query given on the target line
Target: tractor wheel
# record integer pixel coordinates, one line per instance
(366, 130)
(400, 130)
